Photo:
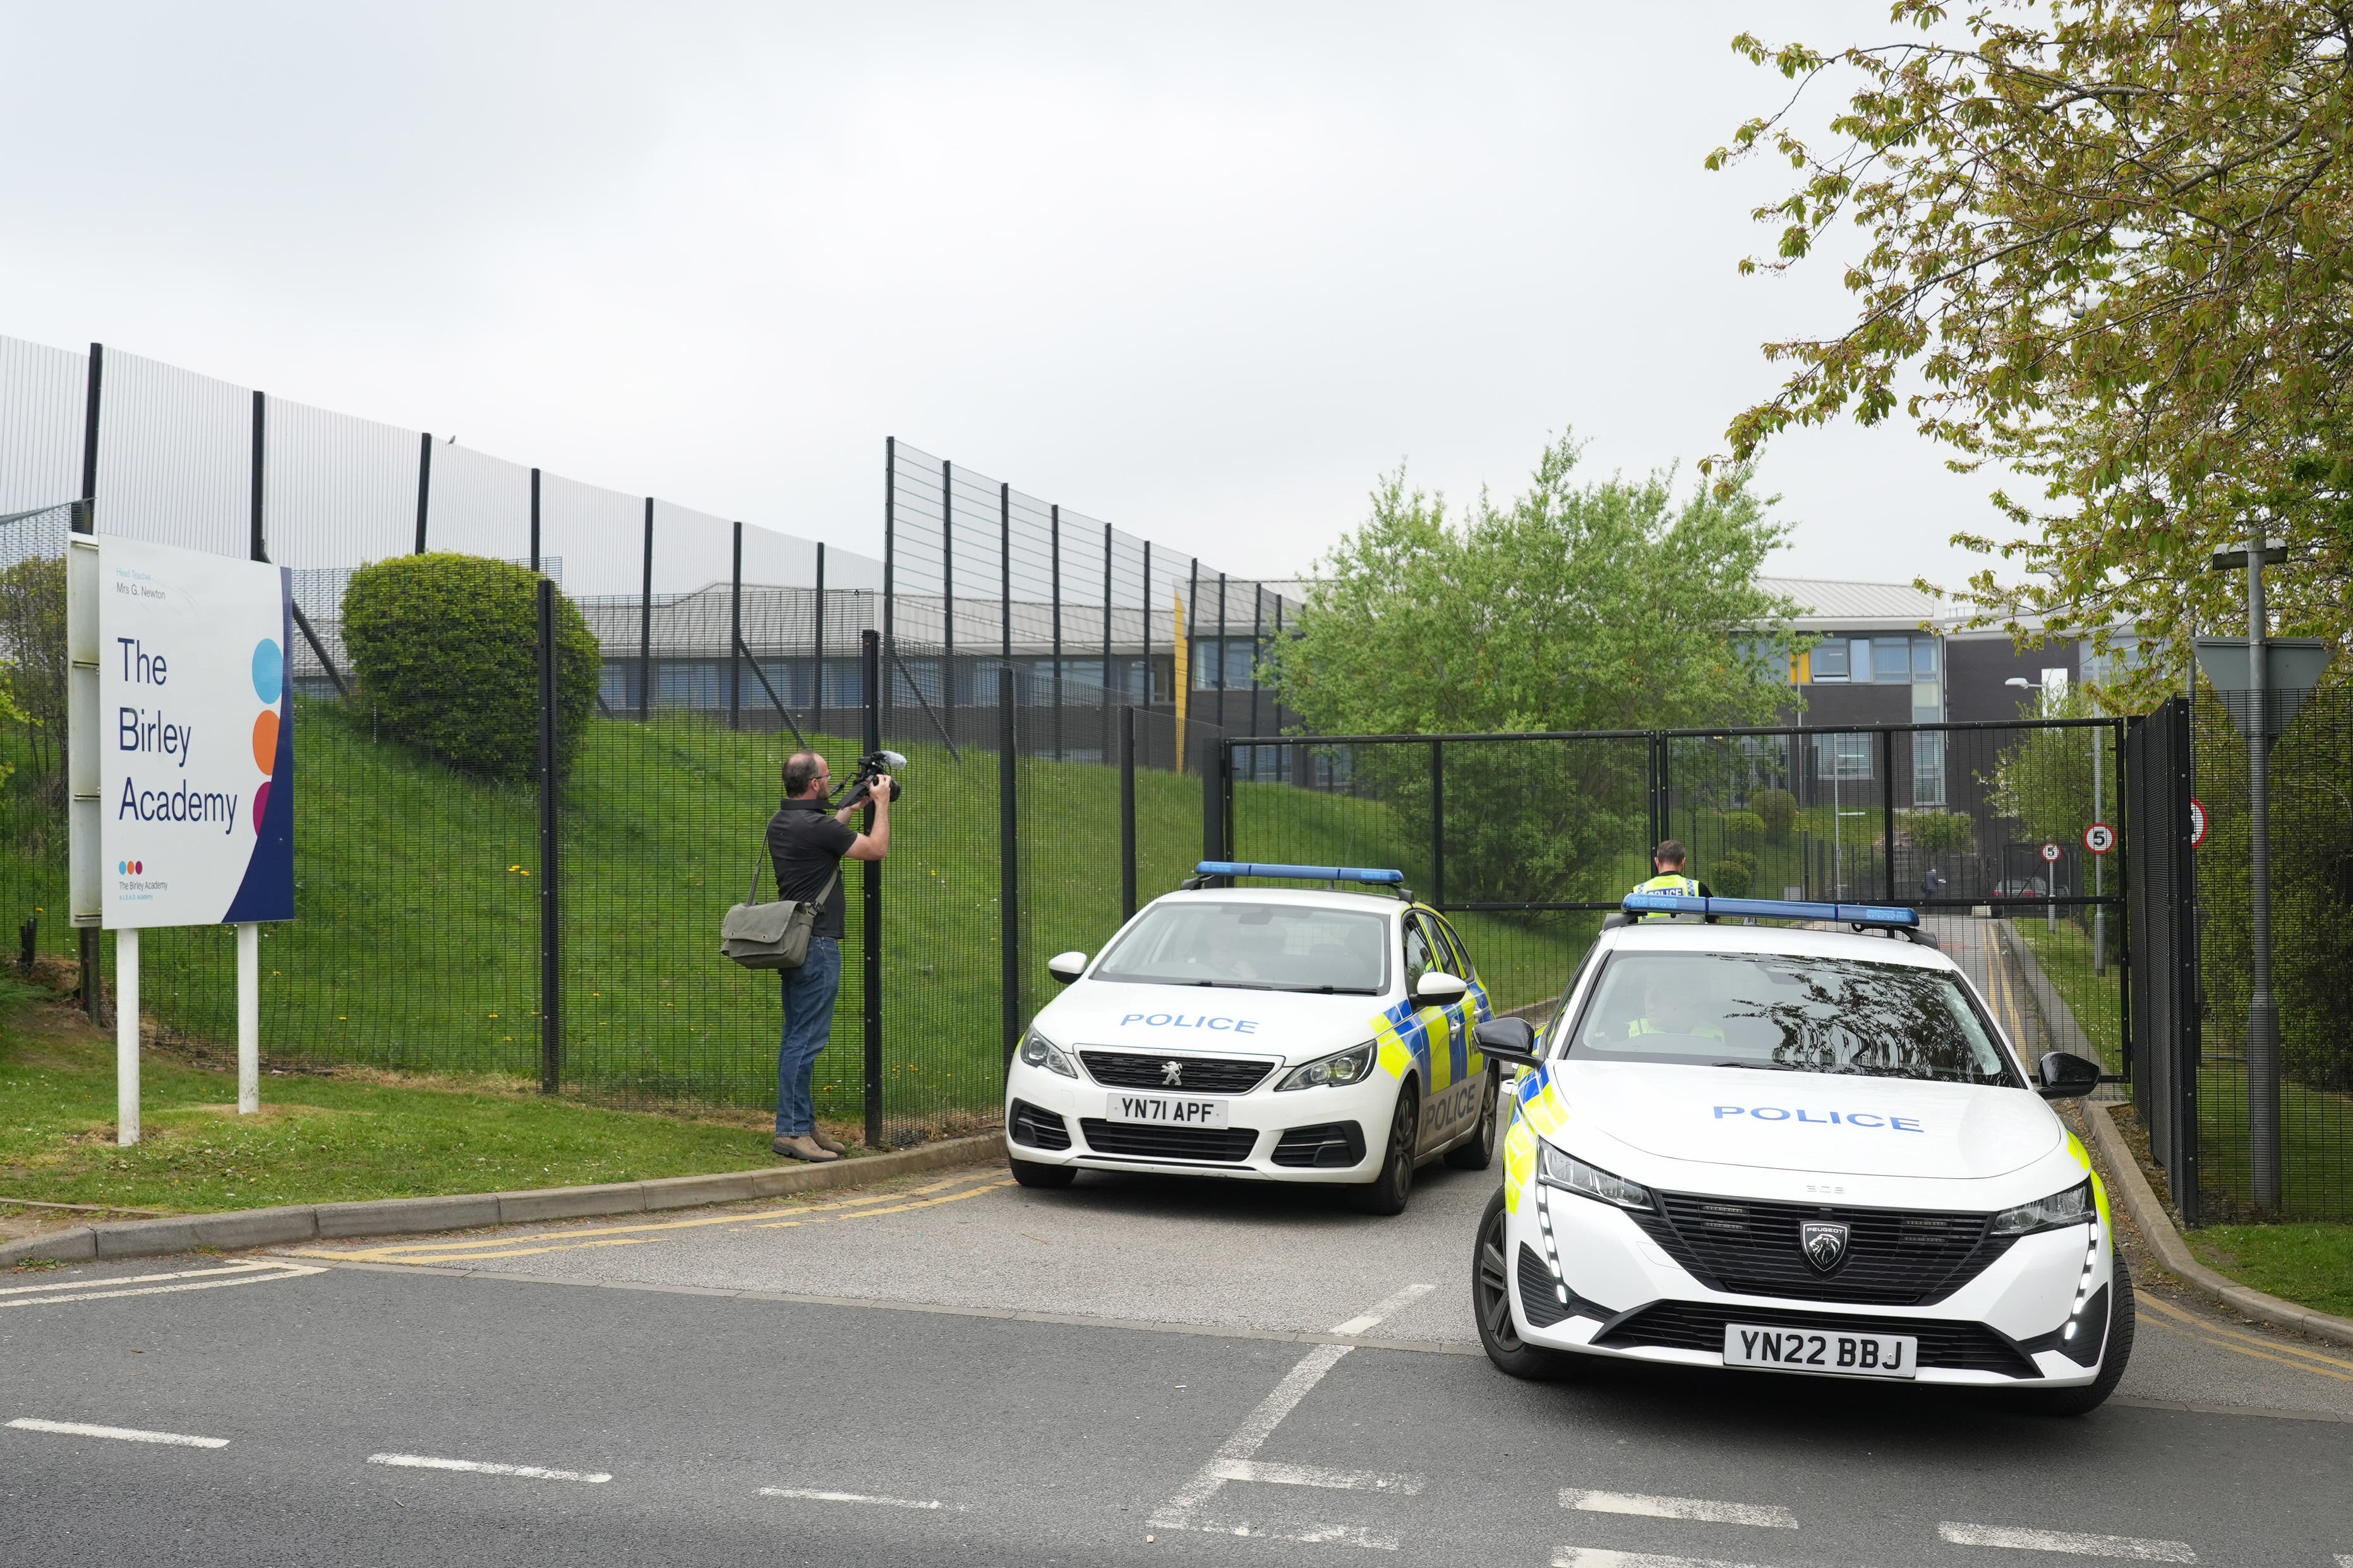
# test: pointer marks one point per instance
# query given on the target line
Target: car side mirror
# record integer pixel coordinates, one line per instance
(1067, 966)
(1440, 989)
(2068, 1077)
(1512, 1040)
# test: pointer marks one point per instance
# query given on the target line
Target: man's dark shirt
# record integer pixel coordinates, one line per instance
(807, 844)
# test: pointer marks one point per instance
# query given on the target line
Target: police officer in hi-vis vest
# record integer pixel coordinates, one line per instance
(1668, 861)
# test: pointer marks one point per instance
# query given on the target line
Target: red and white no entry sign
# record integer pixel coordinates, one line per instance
(2051, 852)
(2197, 821)
(2099, 838)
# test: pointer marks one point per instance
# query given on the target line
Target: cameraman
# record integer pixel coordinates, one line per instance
(807, 844)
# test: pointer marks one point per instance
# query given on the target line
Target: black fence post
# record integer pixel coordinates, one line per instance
(869, 650)
(2187, 1042)
(257, 546)
(889, 541)
(1005, 572)
(1437, 818)
(817, 640)
(424, 486)
(1887, 809)
(2123, 913)
(947, 593)
(85, 520)
(646, 623)
(1127, 814)
(1211, 760)
(735, 635)
(551, 927)
(1054, 574)
(534, 520)
(1008, 865)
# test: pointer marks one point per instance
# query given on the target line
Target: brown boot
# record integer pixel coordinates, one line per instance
(828, 1142)
(803, 1148)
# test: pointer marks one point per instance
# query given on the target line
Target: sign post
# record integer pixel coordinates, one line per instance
(180, 737)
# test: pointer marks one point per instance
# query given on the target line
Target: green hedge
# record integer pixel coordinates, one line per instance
(445, 647)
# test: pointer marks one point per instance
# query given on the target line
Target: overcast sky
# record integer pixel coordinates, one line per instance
(1203, 271)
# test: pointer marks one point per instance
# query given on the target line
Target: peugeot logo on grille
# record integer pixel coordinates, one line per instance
(1823, 1242)
(1174, 1073)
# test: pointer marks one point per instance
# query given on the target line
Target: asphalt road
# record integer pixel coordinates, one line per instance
(956, 1371)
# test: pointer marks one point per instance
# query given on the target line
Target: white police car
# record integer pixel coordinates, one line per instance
(1799, 1151)
(1276, 1034)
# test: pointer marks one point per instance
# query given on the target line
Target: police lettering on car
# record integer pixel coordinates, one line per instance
(1232, 1029)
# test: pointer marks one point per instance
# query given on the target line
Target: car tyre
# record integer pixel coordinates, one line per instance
(1477, 1152)
(1031, 1174)
(1386, 1193)
(2114, 1354)
(1491, 1304)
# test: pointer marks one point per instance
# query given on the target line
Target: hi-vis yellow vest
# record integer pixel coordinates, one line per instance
(1668, 882)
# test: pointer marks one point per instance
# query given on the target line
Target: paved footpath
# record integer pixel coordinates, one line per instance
(954, 1370)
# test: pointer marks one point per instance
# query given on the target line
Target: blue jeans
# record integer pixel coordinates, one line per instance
(810, 993)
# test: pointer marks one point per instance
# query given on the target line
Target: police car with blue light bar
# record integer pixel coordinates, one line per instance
(1289, 1034)
(1797, 1147)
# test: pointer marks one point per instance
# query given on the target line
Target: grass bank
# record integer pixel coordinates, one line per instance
(2309, 1264)
(319, 1138)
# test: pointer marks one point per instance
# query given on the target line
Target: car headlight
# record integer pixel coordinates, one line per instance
(1040, 1052)
(1351, 1066)
(1566, 1171)
(2072, 1207)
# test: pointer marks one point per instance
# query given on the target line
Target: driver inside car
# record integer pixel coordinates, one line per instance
(1672, 1009)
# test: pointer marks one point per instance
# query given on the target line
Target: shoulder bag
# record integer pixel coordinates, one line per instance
(774, 935)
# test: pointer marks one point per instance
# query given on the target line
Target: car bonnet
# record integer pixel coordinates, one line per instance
(1833, 1124)
(1294, 1024)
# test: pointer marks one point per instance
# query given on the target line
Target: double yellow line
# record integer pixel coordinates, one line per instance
(442, 1250)
(2166, 1315)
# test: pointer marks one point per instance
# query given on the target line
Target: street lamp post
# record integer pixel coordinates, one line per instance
(2051, 887)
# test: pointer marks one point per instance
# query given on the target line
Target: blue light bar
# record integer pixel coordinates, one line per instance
(1771, 908)
(1299, 873)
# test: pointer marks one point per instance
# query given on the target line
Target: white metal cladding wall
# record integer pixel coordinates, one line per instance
(42, 391)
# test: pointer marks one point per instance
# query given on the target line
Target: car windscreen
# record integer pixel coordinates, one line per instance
(1256, 947)
(1783, 1013)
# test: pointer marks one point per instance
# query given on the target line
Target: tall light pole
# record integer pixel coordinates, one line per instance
(2051, 887)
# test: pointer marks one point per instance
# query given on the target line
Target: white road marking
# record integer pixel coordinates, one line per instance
(1765, 1516)
(2068, 1541)
(1595, 1557)
(1388, 1309)
(1315, 1476)
(119, 1434)
(813, 1495)
(480, 1466)
(1237, 1453)
(53, 1295)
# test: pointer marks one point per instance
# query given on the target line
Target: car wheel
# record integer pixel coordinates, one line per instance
(1387, 1193)
(2114, 1354)
(1477, 1152)
(1490, 1303)
(1031, 1174)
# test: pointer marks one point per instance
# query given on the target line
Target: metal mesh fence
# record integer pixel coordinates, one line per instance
(721, 649)
(2311, 1100)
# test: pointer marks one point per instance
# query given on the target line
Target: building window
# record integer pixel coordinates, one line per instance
(1928, 769)
(1891, 658)
(1844, 756)
(1830, 660)
(1924, 659)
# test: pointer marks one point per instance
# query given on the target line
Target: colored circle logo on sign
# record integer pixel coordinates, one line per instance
(268, 671)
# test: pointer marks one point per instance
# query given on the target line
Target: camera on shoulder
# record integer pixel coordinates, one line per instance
(870, 767)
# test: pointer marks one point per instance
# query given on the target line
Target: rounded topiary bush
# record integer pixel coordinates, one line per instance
(1777, 809)
(445, 651)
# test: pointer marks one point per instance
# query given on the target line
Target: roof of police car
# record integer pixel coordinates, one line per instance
(1313, 898)
(1793, 940)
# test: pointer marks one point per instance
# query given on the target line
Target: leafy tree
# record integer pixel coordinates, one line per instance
(2108, 239)
(2044, 782)
(446, 648)
(1604, 606)
(1777, 808)
(1938, 832)
(33, 666)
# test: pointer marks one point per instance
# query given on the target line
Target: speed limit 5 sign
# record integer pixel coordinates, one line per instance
(2051, 852)
(2099, 838)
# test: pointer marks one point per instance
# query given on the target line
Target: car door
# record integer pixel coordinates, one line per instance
(1444, 1033)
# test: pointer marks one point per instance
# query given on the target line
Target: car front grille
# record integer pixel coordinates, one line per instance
(1699, 1326)
(1195, 1075)
(1894, 1258)
(1334, 1145)
(1143, 1141)
(1037, 1128)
